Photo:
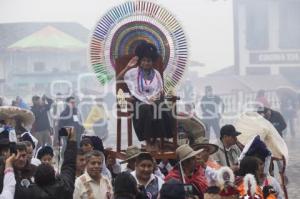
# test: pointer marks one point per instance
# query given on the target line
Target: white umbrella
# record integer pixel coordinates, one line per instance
(251, 124)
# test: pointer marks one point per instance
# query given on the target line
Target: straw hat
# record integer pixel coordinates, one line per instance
(131, 152)
(26, 116)
(202, 142)
(185, 152)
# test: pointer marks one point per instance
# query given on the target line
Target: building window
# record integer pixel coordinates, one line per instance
(258, 70)
(75, 65)
(39, 67)
(257, 25)
(289, 23)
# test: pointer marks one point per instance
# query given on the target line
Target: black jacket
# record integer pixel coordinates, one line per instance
(41, 116)
(277, 120)
(26, 174)
(63, 187)
(67, 119)
(210, 106)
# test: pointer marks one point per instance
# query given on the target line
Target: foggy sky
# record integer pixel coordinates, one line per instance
(208, 23)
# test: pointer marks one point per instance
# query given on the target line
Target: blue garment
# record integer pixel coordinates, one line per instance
(23, 105)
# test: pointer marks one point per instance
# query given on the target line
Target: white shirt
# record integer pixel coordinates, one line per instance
(150, 88)
(152, 177)
(100, 190)
(211, 176)
(9, 184)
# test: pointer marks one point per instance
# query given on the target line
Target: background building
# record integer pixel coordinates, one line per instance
(267, 38)
(34, 55)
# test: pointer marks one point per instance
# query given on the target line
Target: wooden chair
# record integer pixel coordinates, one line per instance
(122, 99)
(282, 174)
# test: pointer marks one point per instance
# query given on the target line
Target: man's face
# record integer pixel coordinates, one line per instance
(29, 151)
(20, 163)
(18, 99)
(230, 140)
(80, 162)
(268, 114)
(37, 102)
(94, 166)
(203, 156)
(208, 92)
(110, 160)
(190, 164)
(144, 169)
(72, 103)
(47, 159)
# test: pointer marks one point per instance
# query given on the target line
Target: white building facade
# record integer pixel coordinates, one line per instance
(267, 37)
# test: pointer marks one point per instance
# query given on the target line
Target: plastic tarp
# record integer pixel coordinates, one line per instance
(251, 124)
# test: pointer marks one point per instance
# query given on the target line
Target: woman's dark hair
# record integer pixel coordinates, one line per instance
(148, 50)
(44, 175)
(248, 165)
(45, 150)
(144, 156)
(125, 185)
(70, 98)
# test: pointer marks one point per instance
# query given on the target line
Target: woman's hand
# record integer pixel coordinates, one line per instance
(133, 62)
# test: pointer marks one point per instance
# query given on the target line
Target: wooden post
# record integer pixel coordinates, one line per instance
(118, 133)
(129, 135)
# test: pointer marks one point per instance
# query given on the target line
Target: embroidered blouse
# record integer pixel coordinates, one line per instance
(141, 88)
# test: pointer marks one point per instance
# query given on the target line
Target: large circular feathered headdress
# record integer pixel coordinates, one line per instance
(123, 27)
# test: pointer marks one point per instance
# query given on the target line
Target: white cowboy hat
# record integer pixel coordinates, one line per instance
(185, 152)
(203, 142)
(26, 116)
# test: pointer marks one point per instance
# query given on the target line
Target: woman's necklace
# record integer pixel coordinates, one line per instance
(145, 77)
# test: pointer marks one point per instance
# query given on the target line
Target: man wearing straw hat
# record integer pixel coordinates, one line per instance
(11, 116)
(188, 171)
(208, 149)
(131, 153)
(209, 164)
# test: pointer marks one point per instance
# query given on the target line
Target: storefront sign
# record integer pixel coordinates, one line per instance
(275, 58)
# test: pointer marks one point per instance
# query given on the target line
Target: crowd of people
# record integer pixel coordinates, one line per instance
(89, 170)
(58, 158)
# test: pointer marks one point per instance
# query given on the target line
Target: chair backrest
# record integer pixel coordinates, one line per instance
(121, 63)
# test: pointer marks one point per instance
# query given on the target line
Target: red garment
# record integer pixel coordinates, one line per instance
(198, 178)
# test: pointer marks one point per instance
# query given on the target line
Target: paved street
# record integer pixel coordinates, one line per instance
(293, 169)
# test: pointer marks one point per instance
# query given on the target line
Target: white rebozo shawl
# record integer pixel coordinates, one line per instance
(149, 89)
